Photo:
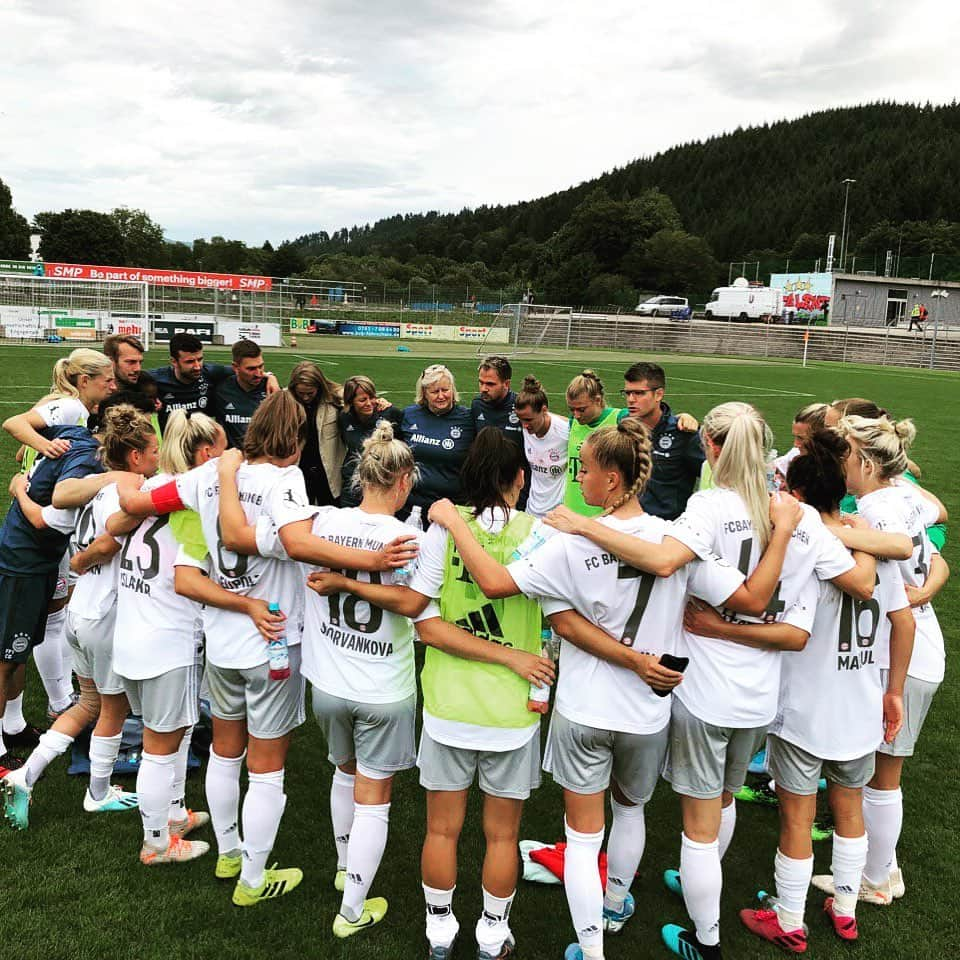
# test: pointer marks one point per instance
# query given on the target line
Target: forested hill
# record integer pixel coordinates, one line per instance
(755, 188)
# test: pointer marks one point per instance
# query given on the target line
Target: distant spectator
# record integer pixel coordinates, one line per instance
(917, 316)
(323, 451)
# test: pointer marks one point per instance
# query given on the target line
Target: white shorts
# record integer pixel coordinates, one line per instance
(168, 702)
(272, 708)
(92, 643)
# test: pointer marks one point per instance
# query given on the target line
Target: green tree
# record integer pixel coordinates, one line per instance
(81, 236)
(14, 228)
(143, 244)
(285, 261)
(677, 261)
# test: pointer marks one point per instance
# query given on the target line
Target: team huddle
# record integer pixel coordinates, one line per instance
(695, 604)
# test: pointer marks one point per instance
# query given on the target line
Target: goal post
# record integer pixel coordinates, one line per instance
(53, 309)
(519, 329)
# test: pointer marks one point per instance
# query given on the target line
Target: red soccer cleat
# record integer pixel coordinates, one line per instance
(766, 925)
(845, 927)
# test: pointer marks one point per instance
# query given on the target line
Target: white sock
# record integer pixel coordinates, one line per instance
(442, 925)
(883, 818)
(3, 748)
(728, 822)
(341, 813)
(52, 745)
(103, 755)
(178, 808)
(154, 786)
(493, 927)
(581, 880)
(222, 787)
(702, 884)
(52, 665)
(849, 857)
(368, 838)
(262, 810)
(793, 880)
(628, 837)
(13, 718)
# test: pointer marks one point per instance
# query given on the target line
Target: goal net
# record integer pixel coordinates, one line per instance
(54, 309)
(519, 329)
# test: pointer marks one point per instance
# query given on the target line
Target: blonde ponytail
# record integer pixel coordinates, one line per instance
(384, 461)
(883, 442)
(626, 449)
(184, 435)
(744, 439)
(68, 370)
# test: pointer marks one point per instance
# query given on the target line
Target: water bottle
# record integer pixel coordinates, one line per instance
(536, 538)
(277, 652)
(403, 575)
(772, 483)
(538, 700)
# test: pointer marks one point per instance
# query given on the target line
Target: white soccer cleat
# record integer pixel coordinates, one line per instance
(116, 801)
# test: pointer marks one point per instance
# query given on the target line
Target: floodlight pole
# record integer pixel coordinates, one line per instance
(939, 296)
(843, 228)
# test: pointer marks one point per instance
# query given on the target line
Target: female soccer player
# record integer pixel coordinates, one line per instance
(128, 444)
(439, 431)
(362, 411)
(832, 712)
(588, 412)
(475, 688)
(545, 439)
(359, 661)
(806, 421)
(610, 725)
(81, 381)
(158, 650)
(878, 458)
(729, 694)
(254, 715)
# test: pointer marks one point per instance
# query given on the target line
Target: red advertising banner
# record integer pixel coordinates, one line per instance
(167, 278)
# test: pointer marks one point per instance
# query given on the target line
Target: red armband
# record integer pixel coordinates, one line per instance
(166, 499)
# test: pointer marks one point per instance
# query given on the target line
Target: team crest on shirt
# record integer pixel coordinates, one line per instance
(202, 403)
(447, 444)
(665, 442)
(20, 642)
(455, 433)
(554, 455)
(513, 418)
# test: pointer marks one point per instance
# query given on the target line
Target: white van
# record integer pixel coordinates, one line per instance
(744, 302)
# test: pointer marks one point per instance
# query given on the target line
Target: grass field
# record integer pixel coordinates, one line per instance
(71, 887)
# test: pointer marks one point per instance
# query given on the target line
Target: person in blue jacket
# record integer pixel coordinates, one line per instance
(439, 431)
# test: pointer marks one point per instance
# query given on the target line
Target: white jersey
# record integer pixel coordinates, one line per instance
(352, 649)
(157, 630)
(271, 498)
(639, 609)
(63, 412)
(96, 590)
(427, 580)
(547, 456)
(901, 509)
(831, 695)
(727, 684)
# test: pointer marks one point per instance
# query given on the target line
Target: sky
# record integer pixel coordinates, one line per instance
(265, 121)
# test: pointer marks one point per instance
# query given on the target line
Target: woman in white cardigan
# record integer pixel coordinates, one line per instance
(324, 450)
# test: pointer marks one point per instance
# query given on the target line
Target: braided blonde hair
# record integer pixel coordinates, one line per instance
(626, 449)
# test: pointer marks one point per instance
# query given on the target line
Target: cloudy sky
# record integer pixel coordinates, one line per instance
(268, 120)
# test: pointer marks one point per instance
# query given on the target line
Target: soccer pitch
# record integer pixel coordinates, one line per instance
(72, 887)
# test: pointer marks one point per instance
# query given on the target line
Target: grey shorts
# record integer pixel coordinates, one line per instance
(798, 771)
(917, 697)
(510, 774)
(168, 702)
(66, 578)
(272, 708)
(379, 736)
(705, 760)
(92, 644)
(583, 759)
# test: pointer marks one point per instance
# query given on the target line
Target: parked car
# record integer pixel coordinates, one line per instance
(662, 306)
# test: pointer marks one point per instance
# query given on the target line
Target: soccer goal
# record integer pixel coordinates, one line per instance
(524, 327)
(54, 309)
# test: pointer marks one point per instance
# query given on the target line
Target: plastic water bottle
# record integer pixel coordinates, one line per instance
(536, 538)
(538, 700)
(772, 484)
(277, 652)
(403, 575)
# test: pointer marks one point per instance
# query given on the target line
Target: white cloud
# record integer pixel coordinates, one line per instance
(259, 121)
